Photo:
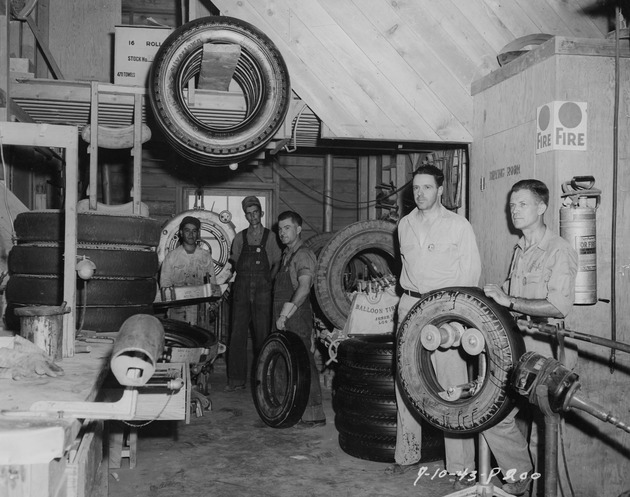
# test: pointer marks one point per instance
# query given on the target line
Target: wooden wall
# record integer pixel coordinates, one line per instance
(298, 181)
(503, 152)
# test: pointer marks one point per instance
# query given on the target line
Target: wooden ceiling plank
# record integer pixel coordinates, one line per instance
(461, 30)
(419, 15)
(303, 79)
(579, 24)
(372, 80)
(341, 83)
(421, 98)
(601, 21)
(546, 18)
(512, 16)
(426, 63)
(486, 22)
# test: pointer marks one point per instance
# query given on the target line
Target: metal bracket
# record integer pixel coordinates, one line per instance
(123, 409)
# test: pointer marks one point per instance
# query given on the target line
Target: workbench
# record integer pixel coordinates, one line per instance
(54, 456)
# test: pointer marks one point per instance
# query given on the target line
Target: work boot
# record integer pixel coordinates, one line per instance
(520, 487)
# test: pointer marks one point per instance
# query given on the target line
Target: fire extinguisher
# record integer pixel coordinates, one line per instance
(578, 227)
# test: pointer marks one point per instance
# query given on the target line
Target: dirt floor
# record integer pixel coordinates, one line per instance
(229, 451)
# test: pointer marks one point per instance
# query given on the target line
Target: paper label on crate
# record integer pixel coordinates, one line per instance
(135, 49)
(561, 126)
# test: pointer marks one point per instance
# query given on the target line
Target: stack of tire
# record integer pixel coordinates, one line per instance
(364, 401)
(121, 247)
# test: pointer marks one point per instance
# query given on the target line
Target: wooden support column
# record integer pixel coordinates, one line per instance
(137, 154)
(401, 179)
(5, 15)
(93, 146)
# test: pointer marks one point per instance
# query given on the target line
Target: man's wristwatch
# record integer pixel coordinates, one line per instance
(512, 302)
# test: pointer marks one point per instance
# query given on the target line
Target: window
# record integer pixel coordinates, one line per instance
(218, 200)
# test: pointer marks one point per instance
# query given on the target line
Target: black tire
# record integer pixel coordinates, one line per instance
(218, 234)
(375, 428)
(377, 382)
(281, 381)
(42, 290)
(373, 239)
(113, 261)
(367, 449)
(348, 398)
(109, 319)
(503, 347)
(368, 353)
(317, 242)
(47, 226)
(261, 74)
(181, 334)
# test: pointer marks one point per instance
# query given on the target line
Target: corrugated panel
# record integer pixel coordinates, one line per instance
(68, 103)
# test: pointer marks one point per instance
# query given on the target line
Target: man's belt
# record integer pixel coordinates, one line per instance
(413, 294)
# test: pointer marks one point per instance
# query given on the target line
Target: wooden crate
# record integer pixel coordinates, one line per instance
(503, 152)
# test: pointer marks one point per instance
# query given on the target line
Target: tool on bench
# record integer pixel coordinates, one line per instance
(136, 350)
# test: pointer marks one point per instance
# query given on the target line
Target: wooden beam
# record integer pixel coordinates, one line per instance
(218, 64)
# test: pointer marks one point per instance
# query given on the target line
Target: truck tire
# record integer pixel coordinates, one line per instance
(261, 74)
(373, 239)
(47, 226)
(503, 347)
(48, 290)
(112, 261)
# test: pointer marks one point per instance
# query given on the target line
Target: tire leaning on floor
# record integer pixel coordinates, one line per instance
(364, 401)
(504, 345)
(282, 380)
(373, 240)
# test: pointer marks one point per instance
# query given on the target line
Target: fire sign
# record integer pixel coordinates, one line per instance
(561, 126)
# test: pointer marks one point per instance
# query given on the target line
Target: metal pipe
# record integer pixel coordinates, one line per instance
(613, 244)
(550, 329)
(328, 190)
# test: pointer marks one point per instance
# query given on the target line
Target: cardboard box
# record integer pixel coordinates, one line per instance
(134, 50)
(198, 291)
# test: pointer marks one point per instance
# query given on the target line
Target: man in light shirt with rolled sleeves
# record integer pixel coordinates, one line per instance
(438, 250)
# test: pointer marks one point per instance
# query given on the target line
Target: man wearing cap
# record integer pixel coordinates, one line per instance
(187, 265)
(255, 257)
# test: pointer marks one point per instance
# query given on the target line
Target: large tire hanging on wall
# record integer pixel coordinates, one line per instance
(216, 232)
(260, 73)
(372, 239)
(282, 380)
(503, 347)
(110, 260)
(48, 226)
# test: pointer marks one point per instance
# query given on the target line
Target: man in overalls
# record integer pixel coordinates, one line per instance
(291, 305)
(256, 259)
